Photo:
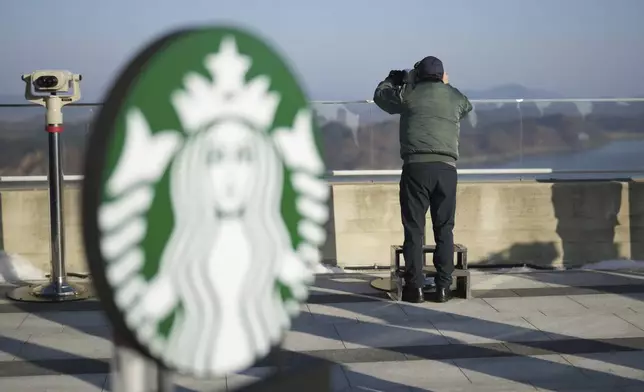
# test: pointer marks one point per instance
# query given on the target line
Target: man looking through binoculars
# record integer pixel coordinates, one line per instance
(430, 114)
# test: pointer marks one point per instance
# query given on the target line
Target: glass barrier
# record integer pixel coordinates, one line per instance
(561, 135)
(23, 140)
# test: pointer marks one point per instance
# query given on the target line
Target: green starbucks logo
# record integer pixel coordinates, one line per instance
(204, 201)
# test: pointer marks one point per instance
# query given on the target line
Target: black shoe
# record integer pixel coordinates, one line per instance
(413, 295)
(443, 294)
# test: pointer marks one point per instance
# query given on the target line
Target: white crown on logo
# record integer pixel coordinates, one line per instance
(228, 95)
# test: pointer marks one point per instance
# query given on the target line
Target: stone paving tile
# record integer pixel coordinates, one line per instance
(9, 348)
(104, 332)
(22, 334)
(539, 371)
(632, 388)
(586, 327)
(54, 367)
(603, 367)
(391, 376)
(375, 312)
(343, 286)
(73, 319)
(12, 320)
(304, 318)
(528, 306)
(385, 324)
(483, 331)
(637, 319)
(575, 346)
(382, 389)
(313, 337)
(639, 308)
(585, 278)
(505, 281)
(610, 301)
(368, 354)
(498, 317)
(11, 342)
(584, 312)
(412, 333)
(189, 384)
(454, 308)
(65, 346)
(339, 379)
(498, 293)
(452, 351)
(331, 314)
(586, 389)
(38, 324)
(498, 387)
(78, 383)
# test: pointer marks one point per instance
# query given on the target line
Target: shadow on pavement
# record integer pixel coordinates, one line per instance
(513, 345)
(507, 352)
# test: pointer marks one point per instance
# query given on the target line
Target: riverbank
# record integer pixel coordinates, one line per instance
(520, 157)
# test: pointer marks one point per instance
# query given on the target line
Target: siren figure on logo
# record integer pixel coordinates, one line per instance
(229, 246)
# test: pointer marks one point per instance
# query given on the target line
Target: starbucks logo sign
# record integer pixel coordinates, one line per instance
(204, 202)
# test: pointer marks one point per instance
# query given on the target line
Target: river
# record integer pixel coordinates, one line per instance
(616, 156)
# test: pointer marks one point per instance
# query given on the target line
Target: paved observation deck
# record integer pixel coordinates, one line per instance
(528, 331)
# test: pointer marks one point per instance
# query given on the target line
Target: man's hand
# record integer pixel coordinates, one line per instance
(445, 78)
(396, 77)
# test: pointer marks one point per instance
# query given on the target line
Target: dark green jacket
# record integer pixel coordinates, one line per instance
(430, 116)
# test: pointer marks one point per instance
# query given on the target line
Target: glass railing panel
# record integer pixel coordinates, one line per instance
(360, 136)
(583, 135)
(78, 122)
(23, 141)
(491, 135)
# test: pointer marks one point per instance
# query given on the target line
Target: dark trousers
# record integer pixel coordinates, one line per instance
(426, 185)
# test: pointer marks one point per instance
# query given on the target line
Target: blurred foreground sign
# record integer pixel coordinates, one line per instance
(204, 203)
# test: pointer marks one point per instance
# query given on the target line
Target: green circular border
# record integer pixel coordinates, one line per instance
(104, 147)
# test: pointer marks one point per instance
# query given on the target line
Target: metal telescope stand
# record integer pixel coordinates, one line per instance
(58, 289)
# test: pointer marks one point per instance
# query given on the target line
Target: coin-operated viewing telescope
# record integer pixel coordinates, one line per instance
(45, 88)
(53, 89)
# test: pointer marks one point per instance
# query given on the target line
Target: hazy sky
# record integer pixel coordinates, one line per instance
(342, 48)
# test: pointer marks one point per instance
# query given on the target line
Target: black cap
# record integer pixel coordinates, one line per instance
(430, 67)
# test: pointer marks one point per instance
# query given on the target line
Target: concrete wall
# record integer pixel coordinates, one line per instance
(549, 224)
(569, 223)
(24, 227)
